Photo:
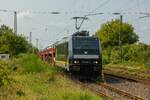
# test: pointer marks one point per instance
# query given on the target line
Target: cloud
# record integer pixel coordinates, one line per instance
(24, 15)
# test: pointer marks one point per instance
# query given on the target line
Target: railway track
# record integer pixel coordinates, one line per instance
(116, 94)
(105, 90)
(143, 81)
(139, 89)
(120, 92)
(101, 94)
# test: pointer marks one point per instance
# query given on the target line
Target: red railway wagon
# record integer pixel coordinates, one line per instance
(48, 55)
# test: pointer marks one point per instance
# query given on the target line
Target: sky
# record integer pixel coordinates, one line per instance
(35, 16)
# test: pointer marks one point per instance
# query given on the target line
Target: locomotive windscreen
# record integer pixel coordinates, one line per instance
(85, 45)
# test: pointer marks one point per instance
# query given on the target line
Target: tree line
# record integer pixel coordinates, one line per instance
(120, 44)
(13, 44)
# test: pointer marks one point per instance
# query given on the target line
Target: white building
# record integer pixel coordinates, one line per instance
(4, 56)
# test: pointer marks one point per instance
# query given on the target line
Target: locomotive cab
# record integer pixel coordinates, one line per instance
(85, 55)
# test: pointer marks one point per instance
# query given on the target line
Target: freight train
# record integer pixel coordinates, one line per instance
(80, 54)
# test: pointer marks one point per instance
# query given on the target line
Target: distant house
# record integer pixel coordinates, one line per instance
(4, 56)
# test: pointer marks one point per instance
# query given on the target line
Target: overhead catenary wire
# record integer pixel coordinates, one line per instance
(91, 13)
(100, 6)
(96, 10)
(65, 12)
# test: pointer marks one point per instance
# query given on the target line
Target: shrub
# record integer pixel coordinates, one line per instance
(5, 70)
(135, 53)
(32, 63)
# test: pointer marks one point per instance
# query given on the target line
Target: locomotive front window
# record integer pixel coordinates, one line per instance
(82, 45)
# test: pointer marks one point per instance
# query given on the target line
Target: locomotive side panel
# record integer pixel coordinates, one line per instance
(62, 54)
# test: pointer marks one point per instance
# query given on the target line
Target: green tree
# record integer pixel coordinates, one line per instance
(12, 43)
(109, 33)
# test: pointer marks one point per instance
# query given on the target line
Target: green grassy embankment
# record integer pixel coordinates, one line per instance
(28, 78)
(132, 60)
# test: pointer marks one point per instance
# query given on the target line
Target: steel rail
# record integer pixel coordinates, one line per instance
(121, 92)
(97, 92)
(143, 81)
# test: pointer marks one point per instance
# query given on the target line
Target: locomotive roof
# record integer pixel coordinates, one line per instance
(63, 40)
(81, 33)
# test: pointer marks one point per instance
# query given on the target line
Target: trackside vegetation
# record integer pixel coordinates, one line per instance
(124, 54)
(26, 77)
(29, 78)
(13, 44)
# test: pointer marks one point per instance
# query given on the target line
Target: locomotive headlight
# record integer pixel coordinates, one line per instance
(95, 62)
(76, 62)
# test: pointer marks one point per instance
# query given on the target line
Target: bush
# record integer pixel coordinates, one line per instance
(135, 53)
(14, 44)
(32, 63)
(147, 58)
(105, 57)
(5, 70)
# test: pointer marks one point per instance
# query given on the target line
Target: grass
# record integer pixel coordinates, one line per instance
(5, 70)
(40, 86)
(31, 64)
(136, 70)
(35, 80)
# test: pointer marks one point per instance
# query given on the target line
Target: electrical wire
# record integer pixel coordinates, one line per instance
(100, 6)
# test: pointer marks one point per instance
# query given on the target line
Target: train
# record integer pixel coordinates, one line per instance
(79, 54)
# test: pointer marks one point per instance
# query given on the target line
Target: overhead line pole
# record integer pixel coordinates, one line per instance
(30, 37)
(37, 43)
(120, 40)
(15, 22)
(119, 37)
